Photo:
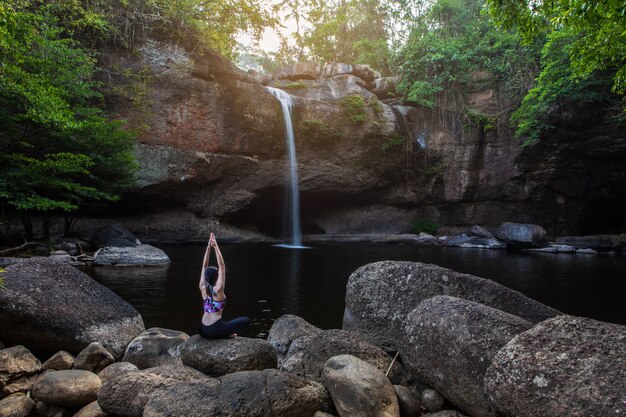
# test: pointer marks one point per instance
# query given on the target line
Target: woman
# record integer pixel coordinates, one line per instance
(212, 282)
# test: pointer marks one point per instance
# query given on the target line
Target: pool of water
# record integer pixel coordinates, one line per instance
(265, 282)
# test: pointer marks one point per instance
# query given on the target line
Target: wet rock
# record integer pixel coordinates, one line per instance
(266, 393)
(115, 369)
(105, 237)
(465, 241)
(46, 303)
(93, 358)
(91, 410)
(409, 401)
(244, 354)
(359, 389)
(306, 70)
(564, 366)
(16, 405)
(449, 344)
(141, 255)
(432, 400)
(154, 347)
(385, 87)
(60, 361)
(586, 252)
(552, 249)
(126, 394)
(18, 369)
(480, 231)
(521, 235)
(285, 330)
(68, 388)
(401, 286)
(600, 243)
(60, 256)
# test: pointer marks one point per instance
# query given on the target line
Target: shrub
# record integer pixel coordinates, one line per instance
(353, 108)
(422, 225)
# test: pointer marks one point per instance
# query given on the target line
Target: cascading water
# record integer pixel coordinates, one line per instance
(286, 103)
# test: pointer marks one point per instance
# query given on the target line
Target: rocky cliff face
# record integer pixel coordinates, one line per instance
(212, 155)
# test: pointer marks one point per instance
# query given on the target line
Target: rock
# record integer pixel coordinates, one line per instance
(426, 239)
(552, 249)
(42, 409)
(446, 413)
(480, 231)
(306, 70)
(432, 400)
(2, 345)
(93, 358)
(141, 255)
(16, 406)
(464, 241)
(49, 304)
(600, 243)
(307, 355)
(359, 389)
(60, 361)
(409, 402)
(449, 343)
(401, 286)
(564, 366)
(322, 414)
(104, 236)
(154, 347)
(385, 87)
(586, 252)
(521, 235)
(126, 394)
(18, 369)
(60, 256)
(364, 72)
(244, 354)
(334, 69)
(72, 246)
(68, 388)
(91, 410)
(115, 369)
(266, 393)
(285, 330)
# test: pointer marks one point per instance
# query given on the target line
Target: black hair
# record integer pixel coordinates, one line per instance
(210, 275)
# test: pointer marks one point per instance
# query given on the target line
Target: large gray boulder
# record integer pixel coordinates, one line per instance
(18, 370)
(154, 347)
(385, 87)
(450, 343)
(359, 389)
(285, 330)
(565, 366)
(242, 354)
(600, 243)
(140, 255)
(267, 393)
(46, 303)
(521, 235)
(380, 295)
(304, 70)
(114, 235)
(68, 388)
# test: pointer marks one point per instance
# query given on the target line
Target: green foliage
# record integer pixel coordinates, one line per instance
(353, 108)
(393, 141)
(420, 225)
(294, 85)
(437, 169)
(319, 129)
(2, 271)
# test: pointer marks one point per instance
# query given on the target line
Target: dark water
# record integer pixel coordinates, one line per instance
(265, 282)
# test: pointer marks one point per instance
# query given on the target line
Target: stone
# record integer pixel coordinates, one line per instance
(480, 231)
(600, 243)
(266, 393)
(115, 369)
(586, 252)
(140, 255)
(446, 413)
(305, 70)
(564, 366)
(322, 414)
(91, 410)
(244, 354)
(385, 87)
(18, 368)
(285, 330)
(42, 409)
(359, 389)
(60, 256)
(93, 358)
(307, 354)
(46, 303)
(126, 394)
(16, 406)
(552, 249)
(409, 401)
(521, 235)
(60, 361)
(426, 239)
(154, 347)
(450, 342)
(401, 286)
(103, 237)
(464, 241)
(68, 388)
(432, 400)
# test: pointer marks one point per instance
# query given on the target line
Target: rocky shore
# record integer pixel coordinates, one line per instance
(432, 342)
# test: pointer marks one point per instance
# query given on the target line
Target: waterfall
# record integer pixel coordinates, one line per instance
(286, 103)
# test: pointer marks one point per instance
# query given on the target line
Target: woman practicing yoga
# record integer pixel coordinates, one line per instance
(212, 282)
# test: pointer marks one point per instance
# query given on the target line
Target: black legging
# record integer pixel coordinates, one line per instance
(223, 328)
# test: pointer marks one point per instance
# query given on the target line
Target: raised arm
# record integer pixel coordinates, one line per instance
(221, 276)
(205, 263)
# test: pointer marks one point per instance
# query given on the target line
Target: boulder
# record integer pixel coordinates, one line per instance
(126, 394)
(409, 401)
(432, 400)
(307, 354)
(446, 413)
(16, 406)
(385, 87)
(449, 343)
(154, 347)
(359, 389)
(285, 330)
(364, 72)
(480, 231)
(60, 361)
(305, 70)
(68, 388)
(552, 249)
(465, 241)
(42, 409)
(93, 358)
(115, 369)
(243, 354)
(521, 235)
(565, 366)
(266, 393)
(598, 243)
(18, 369)
(49, 304)
(60, 256)
(401, 286)
(104, 237)
(323, 414)
(91, 410)
(140, 255)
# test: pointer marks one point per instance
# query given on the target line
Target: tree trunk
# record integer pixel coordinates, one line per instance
(68, 222)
